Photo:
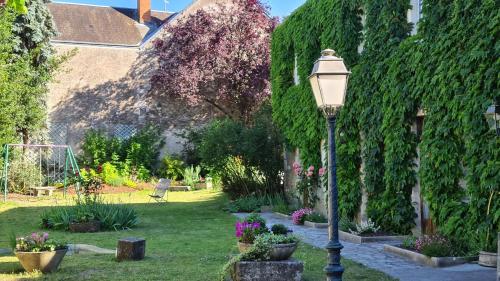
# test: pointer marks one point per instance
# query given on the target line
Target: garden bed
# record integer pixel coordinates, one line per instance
(426, 260)
(369, 238)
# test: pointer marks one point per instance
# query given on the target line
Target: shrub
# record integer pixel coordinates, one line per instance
(299, 216)
(129, 183)
(110, 175)
(171, 168)
(247, 204)
(111, 216)
(346, 225)
(279, 229)
(316, 217)
(247, 157)
(23, 176)
(275, 239)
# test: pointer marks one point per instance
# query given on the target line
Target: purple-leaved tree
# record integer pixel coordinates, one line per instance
(220, 56)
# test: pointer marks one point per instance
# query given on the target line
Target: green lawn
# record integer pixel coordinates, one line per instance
(187, 239)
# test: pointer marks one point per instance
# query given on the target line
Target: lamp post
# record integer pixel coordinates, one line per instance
(493, 117)
(329, 83)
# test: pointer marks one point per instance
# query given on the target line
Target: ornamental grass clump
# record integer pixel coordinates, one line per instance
(299, 216)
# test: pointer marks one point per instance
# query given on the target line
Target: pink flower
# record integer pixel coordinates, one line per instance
(321, 171)
(311, 168)
(309, 174)
(299, 216)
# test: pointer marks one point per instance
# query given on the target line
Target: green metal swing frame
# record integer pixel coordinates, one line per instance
(70, 162)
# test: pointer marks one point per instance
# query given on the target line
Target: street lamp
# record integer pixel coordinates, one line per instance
(329, 83)
(493, 117)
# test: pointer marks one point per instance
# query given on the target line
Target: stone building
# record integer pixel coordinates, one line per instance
(106, 83)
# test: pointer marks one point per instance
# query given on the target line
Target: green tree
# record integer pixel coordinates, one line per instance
(31, 43)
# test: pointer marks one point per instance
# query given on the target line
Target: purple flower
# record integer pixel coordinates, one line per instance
(299, 216)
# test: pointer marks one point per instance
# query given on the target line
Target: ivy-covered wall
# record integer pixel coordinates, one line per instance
(448, 70)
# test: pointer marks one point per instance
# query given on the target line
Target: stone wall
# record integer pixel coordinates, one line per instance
(109, 88)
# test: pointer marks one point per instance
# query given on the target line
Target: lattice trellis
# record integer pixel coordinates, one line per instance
(123, 131)
(58, 133)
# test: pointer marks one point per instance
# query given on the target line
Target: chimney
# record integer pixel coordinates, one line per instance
(143, 10)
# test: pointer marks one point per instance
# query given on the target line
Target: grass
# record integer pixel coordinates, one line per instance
(188, 238)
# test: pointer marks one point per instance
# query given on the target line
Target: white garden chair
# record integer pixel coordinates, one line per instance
(161, 191)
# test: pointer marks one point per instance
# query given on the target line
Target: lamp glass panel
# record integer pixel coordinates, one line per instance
(316, 90)
(331, 66)
(333, 89)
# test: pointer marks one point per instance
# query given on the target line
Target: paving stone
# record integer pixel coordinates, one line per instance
(373, 256)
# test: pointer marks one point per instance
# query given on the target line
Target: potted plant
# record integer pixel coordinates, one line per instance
(246, 233)
(248, 229)
(283, 246)
(39, 253)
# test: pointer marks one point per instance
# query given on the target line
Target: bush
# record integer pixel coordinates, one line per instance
(135, 157)
(247, 204)
(434, 246)
(279, 229)
(23, 176)
(248, 158)
(171, 168)
(346, 225)
(111, 176)
(316, 217)
(111, 216)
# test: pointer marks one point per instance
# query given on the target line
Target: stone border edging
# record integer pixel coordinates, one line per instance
(316, 224)
(425, 260)
(283, 216)
(353, 238)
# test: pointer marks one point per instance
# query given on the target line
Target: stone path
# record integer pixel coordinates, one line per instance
(372, 255)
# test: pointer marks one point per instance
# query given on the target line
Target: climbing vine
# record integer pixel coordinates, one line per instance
(448, 71)
(311, 28)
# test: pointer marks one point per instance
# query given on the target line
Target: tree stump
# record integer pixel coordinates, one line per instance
(131, 249)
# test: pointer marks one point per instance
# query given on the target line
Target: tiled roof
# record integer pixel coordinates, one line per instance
(102, 25)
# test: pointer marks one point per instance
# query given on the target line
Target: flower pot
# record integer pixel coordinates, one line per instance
(91, 226)
(42, 261)
(488, 259)
(282, 252)
(244, 247)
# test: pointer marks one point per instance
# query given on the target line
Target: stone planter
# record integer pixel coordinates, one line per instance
(85, 227)
(426, 260)
(353, 238)
(200, 185)
(487, 259)
(281, 252)
(289, 270)
(244, 247)
(316, 224)
(44, 261)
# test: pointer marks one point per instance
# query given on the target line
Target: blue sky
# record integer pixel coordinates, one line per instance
(279, 8)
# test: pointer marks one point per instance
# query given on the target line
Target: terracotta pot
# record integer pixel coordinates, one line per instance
(44, 261)
(91, 226)
(488, 259)
(244, 247)
(281, 252)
